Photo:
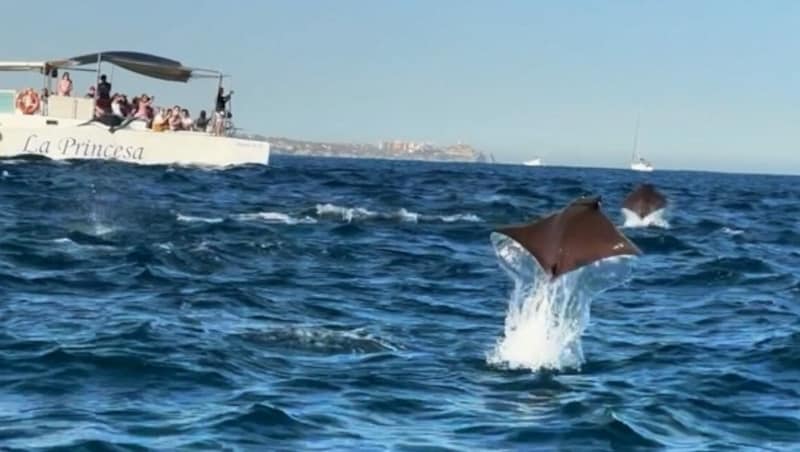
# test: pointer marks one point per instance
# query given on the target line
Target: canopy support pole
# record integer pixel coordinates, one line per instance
(96, 83)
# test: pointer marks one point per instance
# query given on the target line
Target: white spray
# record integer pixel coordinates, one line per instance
(546, 318)
(656, 218)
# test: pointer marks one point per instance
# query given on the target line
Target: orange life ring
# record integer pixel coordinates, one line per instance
(28, 101)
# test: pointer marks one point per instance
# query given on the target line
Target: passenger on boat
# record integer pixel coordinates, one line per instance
(144, 109)
(119, 106)
(161, 121)
(222, 100)
(201, 122)
(104, 88)
(91, 92)
(186, 118)
(175, 119)
(103, 94)
(65, 85)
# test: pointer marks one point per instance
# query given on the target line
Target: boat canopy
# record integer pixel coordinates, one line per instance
(140, 63)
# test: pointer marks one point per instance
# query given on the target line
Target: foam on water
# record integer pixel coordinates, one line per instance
(274, 217)
(546, 318)
(633, 220)
(195, 219)
(731, 231)
(467, 217)
(350, 214)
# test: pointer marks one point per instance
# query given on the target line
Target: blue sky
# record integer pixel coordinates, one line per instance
(716, 82)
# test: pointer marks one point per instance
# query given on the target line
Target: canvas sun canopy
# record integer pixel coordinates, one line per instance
(140, 63)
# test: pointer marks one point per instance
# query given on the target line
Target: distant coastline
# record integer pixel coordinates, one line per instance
(391, 150)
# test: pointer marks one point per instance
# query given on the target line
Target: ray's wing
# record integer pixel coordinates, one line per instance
(635, 203)
(589, 236)
(659, 201)
(644, 200)
(538, 239)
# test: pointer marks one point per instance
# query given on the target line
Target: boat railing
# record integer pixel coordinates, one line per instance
(70, 107)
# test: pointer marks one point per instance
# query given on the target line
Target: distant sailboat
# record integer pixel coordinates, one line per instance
(638, 163)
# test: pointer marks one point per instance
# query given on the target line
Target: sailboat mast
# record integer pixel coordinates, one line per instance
(636, 139)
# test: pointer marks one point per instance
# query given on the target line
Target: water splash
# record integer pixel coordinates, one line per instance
(633, 220)
(97, 225)
(546, 318)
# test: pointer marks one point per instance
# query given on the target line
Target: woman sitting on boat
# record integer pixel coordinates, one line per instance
(175, 119)
(65, 85)
(161, 121)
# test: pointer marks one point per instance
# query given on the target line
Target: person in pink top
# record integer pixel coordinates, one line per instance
(143, 112)
(65, 85)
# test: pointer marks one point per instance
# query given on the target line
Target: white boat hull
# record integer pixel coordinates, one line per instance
(637, 166)
(534, 162)
(62, 139)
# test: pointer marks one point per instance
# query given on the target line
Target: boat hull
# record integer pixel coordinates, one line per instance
(641, 167)
(62, 139)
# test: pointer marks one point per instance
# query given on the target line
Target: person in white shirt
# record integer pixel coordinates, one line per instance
(188, 123)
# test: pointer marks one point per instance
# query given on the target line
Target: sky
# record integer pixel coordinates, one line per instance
(715, 83)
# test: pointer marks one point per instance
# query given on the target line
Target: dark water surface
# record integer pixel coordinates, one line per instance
(325, 304)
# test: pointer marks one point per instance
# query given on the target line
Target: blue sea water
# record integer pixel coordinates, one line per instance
(333, 304)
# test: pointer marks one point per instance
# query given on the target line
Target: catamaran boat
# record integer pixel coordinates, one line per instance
(65, 127)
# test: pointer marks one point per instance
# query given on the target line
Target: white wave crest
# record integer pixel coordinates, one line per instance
(71, 244)
(466, 217)
(405, 215)
(193, 219)
(350, 214)
(274, 217)
(546, 318)
(656, 218)
(730, 231)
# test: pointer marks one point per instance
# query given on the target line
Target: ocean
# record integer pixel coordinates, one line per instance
(336, 304)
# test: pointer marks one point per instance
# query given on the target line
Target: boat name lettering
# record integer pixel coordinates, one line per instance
(72, 147)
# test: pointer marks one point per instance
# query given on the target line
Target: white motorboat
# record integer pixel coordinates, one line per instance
(533, 162)
(65, 127)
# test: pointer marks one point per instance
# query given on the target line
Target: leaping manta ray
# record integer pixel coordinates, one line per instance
(573, 237)
(644, 200)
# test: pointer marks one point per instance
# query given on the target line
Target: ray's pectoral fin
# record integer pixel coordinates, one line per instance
(529, 236)
(573, 237)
